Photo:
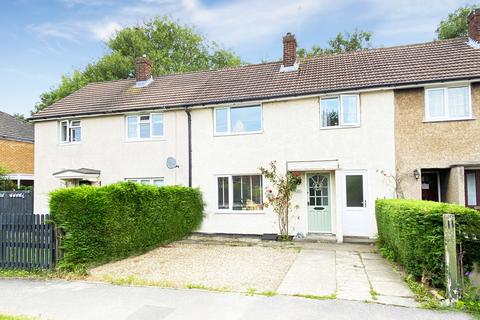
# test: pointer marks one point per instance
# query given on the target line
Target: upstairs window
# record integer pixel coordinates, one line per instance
(145, 126)
(70, 131)
(238, 120)
(340, 111)
(448, 103)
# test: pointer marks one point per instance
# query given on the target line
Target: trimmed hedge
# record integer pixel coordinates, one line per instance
(411, 232)
(101, 224)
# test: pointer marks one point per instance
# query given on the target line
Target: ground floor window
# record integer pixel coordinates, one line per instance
(159, 182)
(472, 188)
(240, 192)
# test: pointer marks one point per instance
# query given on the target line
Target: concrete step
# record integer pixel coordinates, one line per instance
(317, 238)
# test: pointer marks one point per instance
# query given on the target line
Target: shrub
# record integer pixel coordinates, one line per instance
(411, 232)
(101, 224)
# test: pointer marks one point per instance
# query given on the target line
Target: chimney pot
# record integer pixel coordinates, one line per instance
(289, 50)
(473, 21)
(143, 68)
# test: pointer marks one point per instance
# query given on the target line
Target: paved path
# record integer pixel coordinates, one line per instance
(64, 300)
(351, 275)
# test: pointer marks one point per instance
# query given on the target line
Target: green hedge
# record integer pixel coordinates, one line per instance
(101, 224)
(411, 232)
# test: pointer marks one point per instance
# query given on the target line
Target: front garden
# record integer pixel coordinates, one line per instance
(101, 224)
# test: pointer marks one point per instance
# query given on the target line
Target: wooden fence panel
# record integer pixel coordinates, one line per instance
(27, 242)
(16, 202)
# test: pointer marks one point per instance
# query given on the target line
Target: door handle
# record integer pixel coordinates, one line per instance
(319, 208)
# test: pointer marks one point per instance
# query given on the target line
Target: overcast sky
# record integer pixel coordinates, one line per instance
(41, 40)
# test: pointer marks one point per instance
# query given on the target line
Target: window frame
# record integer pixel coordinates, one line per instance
(68, 131)
(447, 117)
(230, 194)
(151, 180)
(341, 123)
(229, 129)
(150, 122)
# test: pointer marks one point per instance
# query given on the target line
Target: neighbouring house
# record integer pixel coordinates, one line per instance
(17, 150)
(351, 125)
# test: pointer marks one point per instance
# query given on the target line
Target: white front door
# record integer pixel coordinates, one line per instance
(356, 220)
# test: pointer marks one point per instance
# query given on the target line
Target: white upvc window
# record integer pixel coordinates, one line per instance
(238, 120)
(145, 126)
(340, 111)
(70, 131)
(159, 182)
(239, 193)
(448, 103)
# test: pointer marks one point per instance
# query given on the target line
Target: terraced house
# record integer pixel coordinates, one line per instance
(358, 126)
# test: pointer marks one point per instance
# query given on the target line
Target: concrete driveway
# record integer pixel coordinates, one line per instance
(62, 300)
(348, 273)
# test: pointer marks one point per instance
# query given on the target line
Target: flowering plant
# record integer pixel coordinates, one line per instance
(278, 196)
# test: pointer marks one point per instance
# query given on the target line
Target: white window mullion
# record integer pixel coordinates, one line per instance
(229, 126)
(230, 192)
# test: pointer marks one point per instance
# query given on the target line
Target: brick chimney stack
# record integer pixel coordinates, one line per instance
(473, 21)
(289, 50)
(143, 68)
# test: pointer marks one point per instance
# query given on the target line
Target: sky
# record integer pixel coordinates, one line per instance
(42, 40)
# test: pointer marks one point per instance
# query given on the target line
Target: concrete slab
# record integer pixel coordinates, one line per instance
(392, 288)
(398, 301)
(312, 273)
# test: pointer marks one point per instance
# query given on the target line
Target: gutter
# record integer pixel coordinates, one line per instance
(189, 120)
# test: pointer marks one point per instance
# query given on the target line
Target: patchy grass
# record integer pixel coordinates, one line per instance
(40, 274)
(207, 288)
(311, 296)
(426, 299)
(136, 281)
(10, 317)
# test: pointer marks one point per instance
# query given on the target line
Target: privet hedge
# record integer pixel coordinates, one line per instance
(115, 221)
(411, 232)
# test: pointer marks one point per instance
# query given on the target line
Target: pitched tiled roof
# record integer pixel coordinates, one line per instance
(411, 64)
(13, 129)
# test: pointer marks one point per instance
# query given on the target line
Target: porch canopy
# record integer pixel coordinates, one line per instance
(82, 174)
(313, 165)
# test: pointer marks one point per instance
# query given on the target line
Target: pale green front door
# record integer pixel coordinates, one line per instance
(319, 212)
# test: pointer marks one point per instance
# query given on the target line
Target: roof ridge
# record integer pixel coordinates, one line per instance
(410, 45)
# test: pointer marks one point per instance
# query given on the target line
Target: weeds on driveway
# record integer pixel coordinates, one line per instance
(311, 296)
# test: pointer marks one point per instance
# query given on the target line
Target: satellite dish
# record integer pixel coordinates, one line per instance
(171, 163)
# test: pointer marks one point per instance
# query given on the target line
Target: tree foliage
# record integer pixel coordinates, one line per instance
(170, 46)
(5, 183)
(343, 42)
(455, 25)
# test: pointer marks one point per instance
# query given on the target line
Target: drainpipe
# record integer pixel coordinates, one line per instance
(189, 117)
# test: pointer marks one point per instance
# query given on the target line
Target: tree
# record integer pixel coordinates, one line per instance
(280, 195)
(5, 183)
(170, 46)
(19, 116)
(343, 42)
(455, 25)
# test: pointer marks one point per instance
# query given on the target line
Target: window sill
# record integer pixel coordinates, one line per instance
(146, 140)
(241, 212)
(236, 134)
(69, 143)
(449, 119)
(340, 127)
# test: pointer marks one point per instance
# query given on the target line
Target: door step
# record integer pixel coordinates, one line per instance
(318, 237)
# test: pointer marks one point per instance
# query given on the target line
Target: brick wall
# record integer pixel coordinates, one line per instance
(16, 156)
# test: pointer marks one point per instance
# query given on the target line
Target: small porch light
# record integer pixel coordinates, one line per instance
(416, 174)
